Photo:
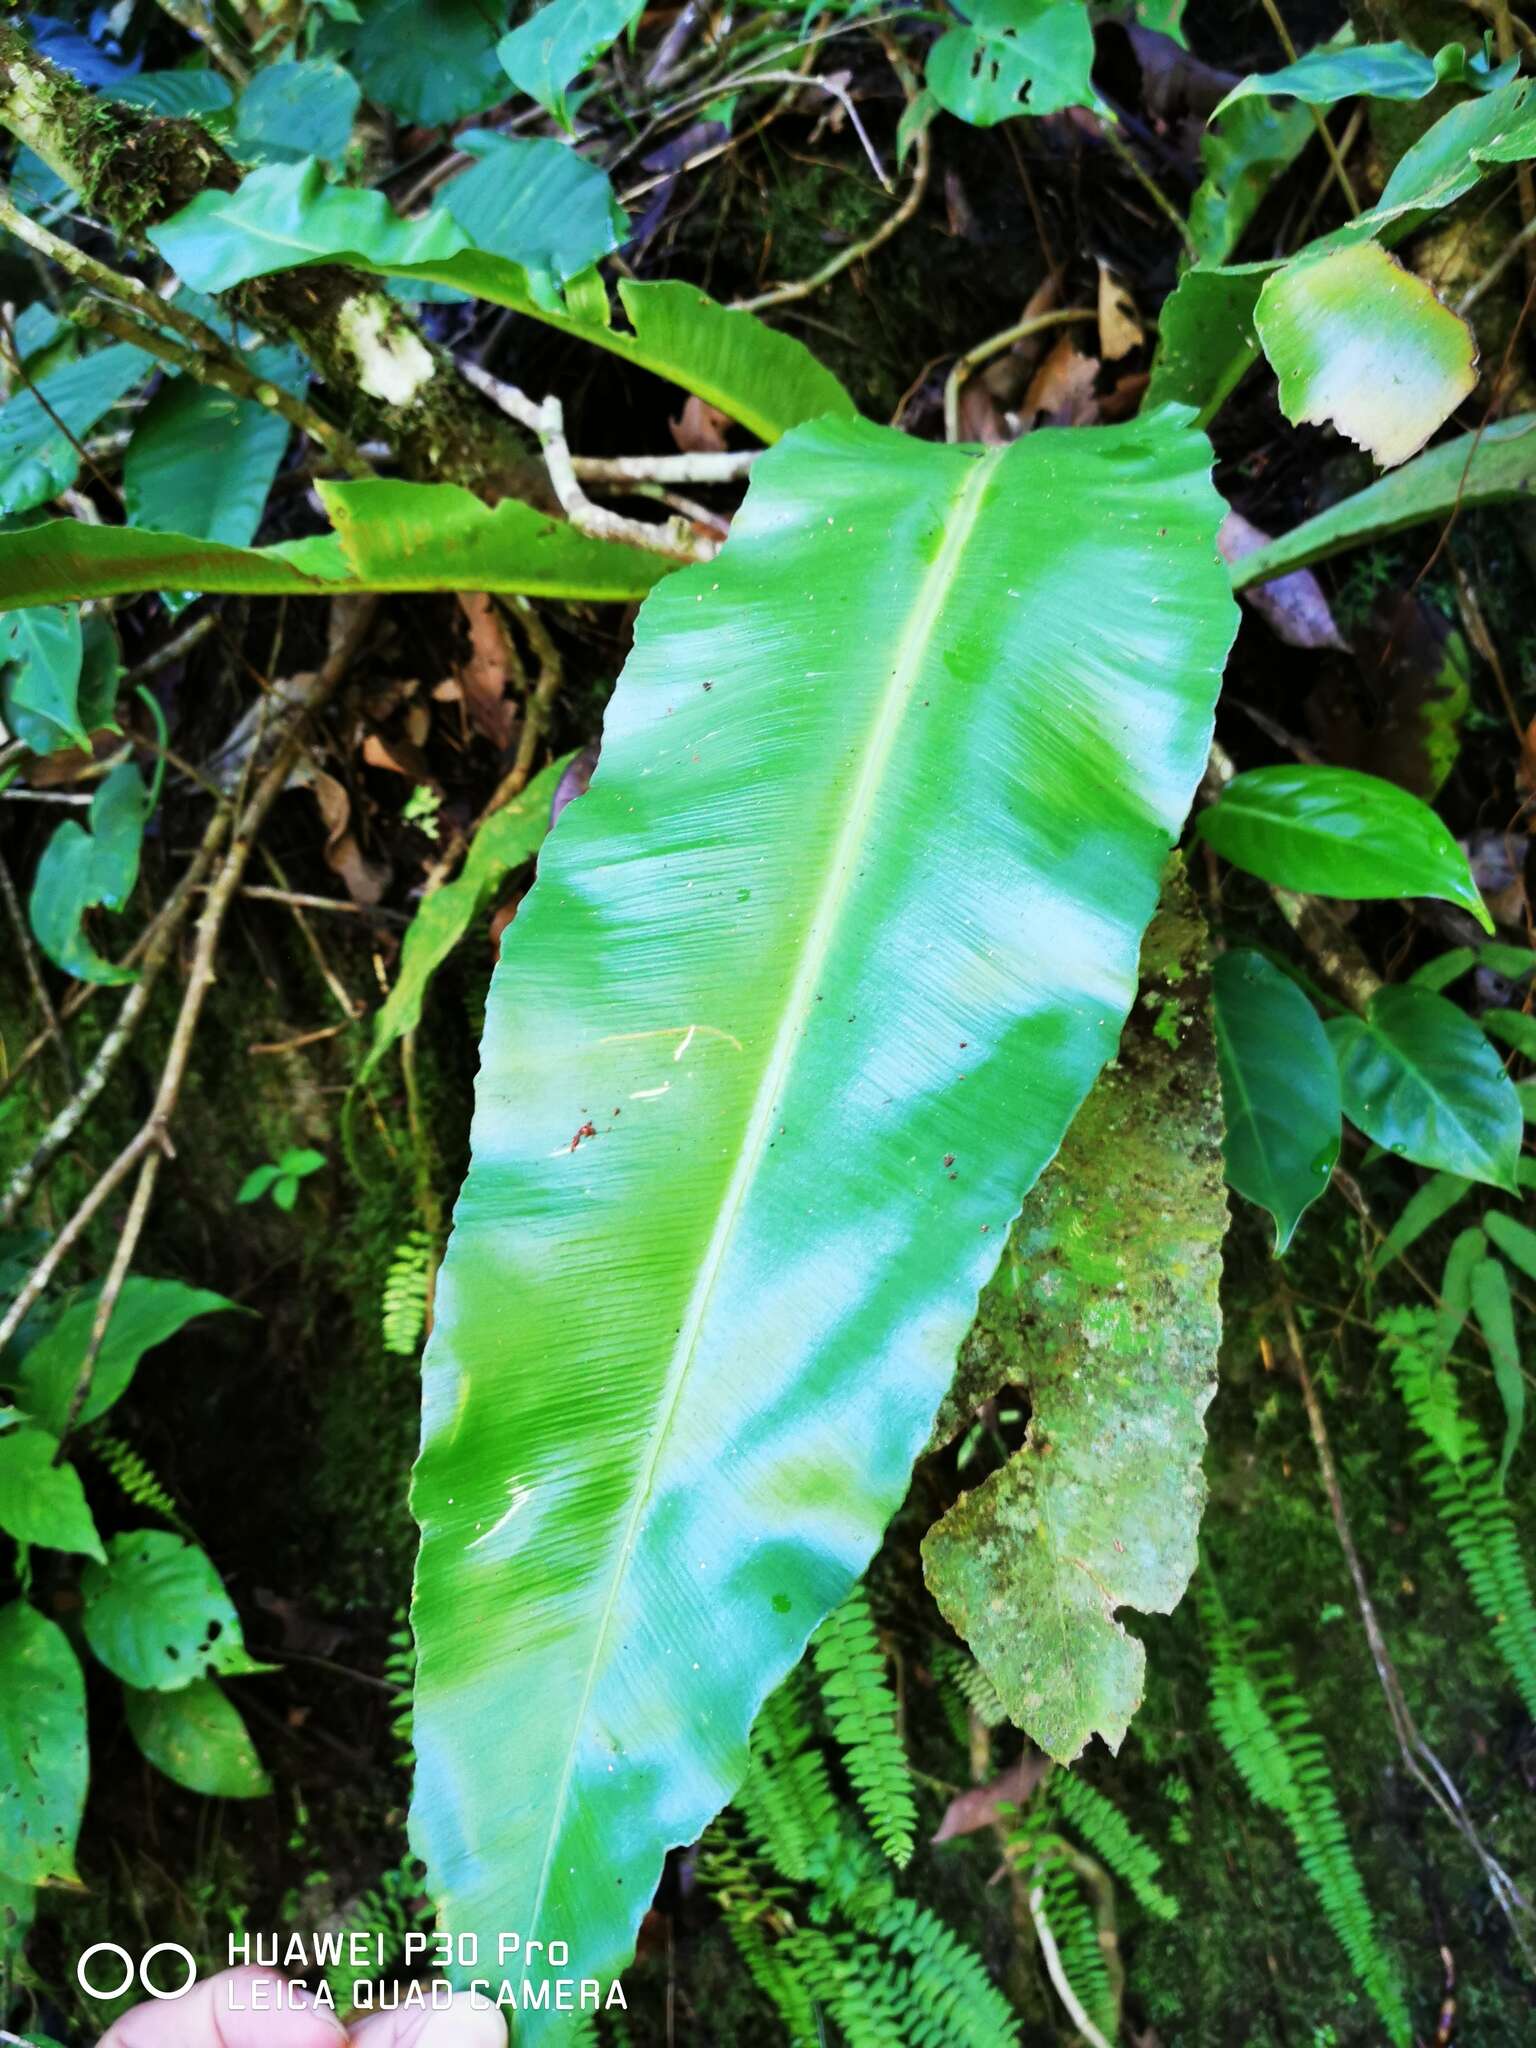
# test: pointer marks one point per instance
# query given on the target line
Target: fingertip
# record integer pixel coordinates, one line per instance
(468, 2022)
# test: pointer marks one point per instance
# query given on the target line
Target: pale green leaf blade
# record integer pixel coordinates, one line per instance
(1111, 1321)
(544, 55)
(508, 837)
(43, 1761)
(179, 94)
(296, 109)
(1338, 832)
(201, 462)
(157, 1615)
(390, 536)
(1279, 1089)
(40, 430)
(1516, 1240)
(40, 693)
(1420, 1079)
(1378, 71)
(196, 1736)
(429, 61)
(750, 1020)
(41, 1502)
(286, 215)
(1012, 57)
(1244, 150)
(1206, 339)
(1488, 467)
(539, 205)
(1422, 1211)
(1495, 1312)
(148, 1312)
(1361, 344)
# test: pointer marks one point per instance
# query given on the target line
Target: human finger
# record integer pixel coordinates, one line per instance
(466, 2023)
(244, 2008)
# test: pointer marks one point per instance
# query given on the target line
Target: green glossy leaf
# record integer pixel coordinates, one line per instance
(1012, 57)
(1516, 1240)
(1364, 345)
(1105, 1308)
(539, 205)
(432, 61)
(84, 870)
(1279, 1089)
(43, 1762)
(296, 110)
(41, 1502)
(1244, 151)
(1336, 832)
(544, 55)
(157, 1615)
(148, 1312)
(1420, 1078)
(43, 649)
(1514, 1027)
(1495, 1312)
(196, 1736)
(301, 1161)
(1422, 1211)
(1206, 340)
(201, 462)
(1378, 71)
(1451, 158)
(256, 1183)
(287, 215)
(1486, 468)
(178, 94)
(810, 984)
(39, 430)
(507, 839)
(389, 536)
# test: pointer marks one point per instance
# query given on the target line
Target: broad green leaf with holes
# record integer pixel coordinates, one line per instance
(508, 838)
(389, 536)
(544, 55)
(157, 1615)
(1279, 1089)
(82, 870)
(1010, 57)
(1361, 344)
(196, 1736)
(1422, 1080)
(1105, 1308)
(41, 1502)
(286, 215)
(43, 1763)
(808, 988)
(1337, 832)
(148, 1312)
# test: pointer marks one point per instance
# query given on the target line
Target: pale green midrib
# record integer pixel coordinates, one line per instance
(820, 928)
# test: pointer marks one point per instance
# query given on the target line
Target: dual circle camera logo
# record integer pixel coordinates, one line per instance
(132, 1972)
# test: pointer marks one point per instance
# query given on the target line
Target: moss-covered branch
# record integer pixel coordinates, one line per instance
(386, 379)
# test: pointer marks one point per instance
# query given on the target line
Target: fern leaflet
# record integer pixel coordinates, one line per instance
(403, 1314)
(1113, 1840)
(850, 1667)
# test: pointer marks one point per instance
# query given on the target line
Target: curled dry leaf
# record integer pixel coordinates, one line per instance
(491, 665)
(1293, 606)
(1120, 330)
(1061, 392)
(982, 1806)
(365, 880)
(699, 428)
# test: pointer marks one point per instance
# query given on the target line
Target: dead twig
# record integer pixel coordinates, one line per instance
(984, 351)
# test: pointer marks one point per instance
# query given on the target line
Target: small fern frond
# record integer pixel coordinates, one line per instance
(1075, 1931)
(1462, 1481)
(963, 1679)
(133, 1475)
(400, 1675)
(1113, 1840)
(850, 1669)
(787, 1799)
(403, 1310)
(1264, 1726)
